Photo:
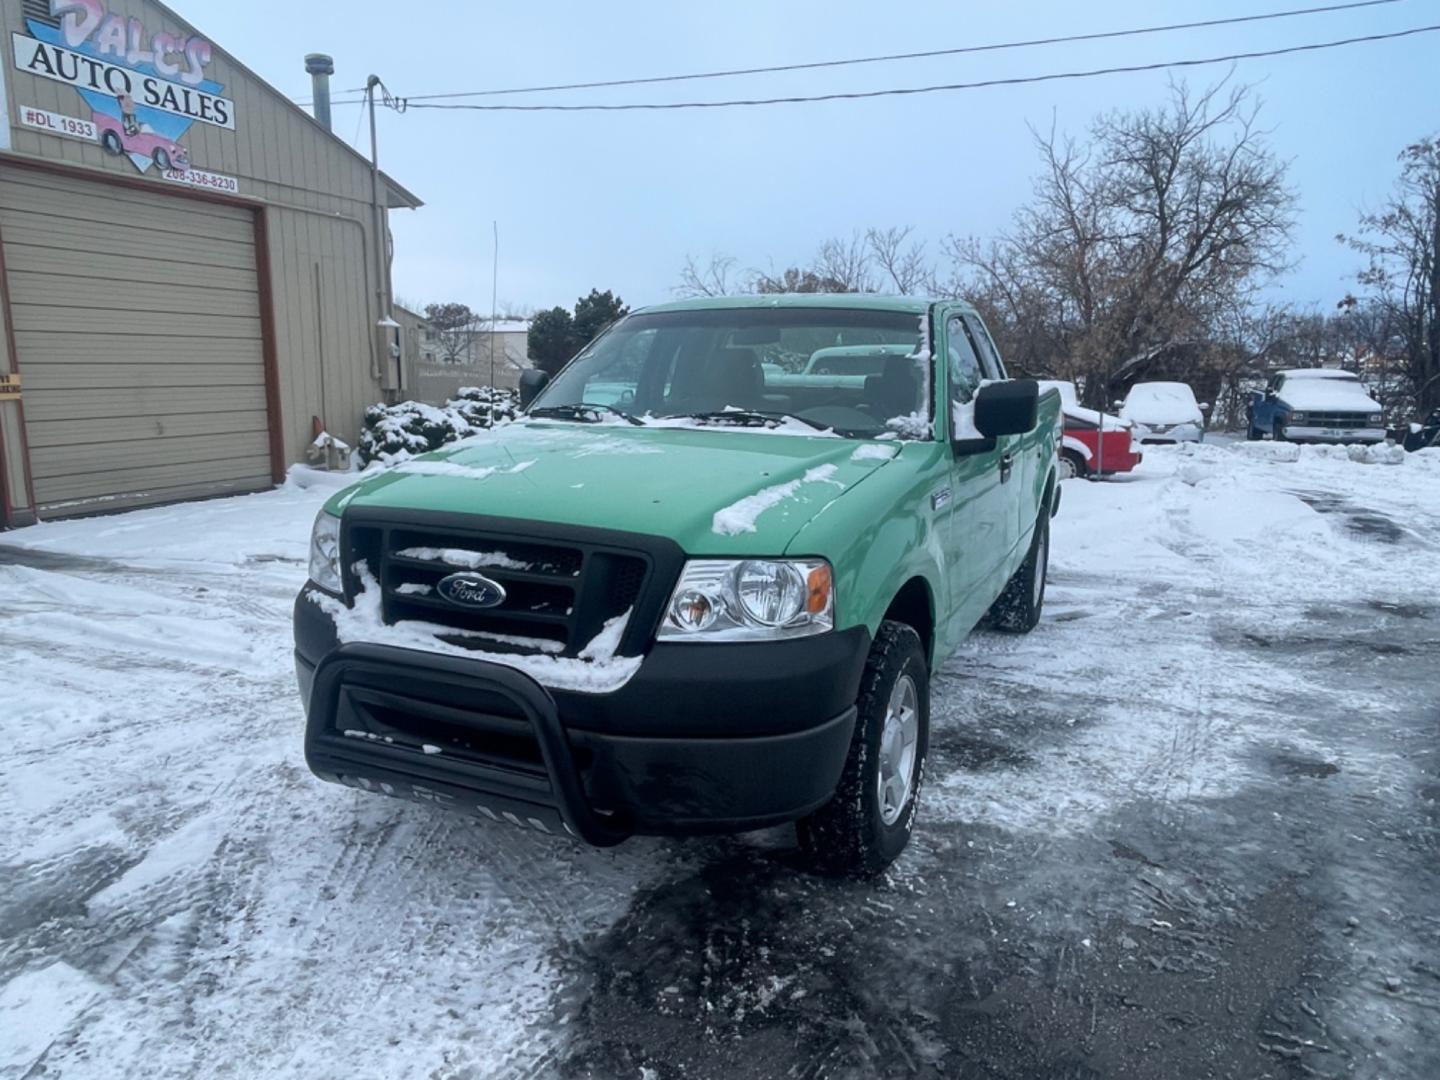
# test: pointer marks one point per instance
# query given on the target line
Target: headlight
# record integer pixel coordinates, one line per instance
(1298, 418)
(750, 600)
(1377, 418)
(325, 553)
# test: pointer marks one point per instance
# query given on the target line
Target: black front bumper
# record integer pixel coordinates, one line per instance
(703, 738)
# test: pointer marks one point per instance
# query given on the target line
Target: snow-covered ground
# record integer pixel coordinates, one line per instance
(1187, 827)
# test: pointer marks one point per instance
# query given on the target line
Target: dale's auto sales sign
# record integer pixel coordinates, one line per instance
(147, 91)
(142, 91)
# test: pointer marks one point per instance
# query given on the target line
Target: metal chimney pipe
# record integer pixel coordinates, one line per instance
(320, 68)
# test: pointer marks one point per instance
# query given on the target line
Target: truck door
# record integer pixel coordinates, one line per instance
(1019, 475)
(978, 531)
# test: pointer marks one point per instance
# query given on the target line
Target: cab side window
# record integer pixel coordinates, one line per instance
(989, 355)
(965, 370)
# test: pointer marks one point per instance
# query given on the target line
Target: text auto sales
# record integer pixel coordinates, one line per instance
(87, 73)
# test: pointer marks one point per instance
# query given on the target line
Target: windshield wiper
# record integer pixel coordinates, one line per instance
(754, 418)
(583, 410)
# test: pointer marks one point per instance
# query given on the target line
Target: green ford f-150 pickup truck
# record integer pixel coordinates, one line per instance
(676, 597)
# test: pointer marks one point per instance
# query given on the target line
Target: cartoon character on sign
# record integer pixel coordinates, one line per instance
(171, 70)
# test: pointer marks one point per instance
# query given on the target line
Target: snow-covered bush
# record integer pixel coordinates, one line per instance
(392, 433)
(477, 404)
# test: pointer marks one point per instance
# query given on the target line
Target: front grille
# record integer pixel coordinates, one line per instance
(1347, 420)
(558, 593)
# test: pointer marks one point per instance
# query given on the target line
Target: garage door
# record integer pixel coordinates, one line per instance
(137, 327)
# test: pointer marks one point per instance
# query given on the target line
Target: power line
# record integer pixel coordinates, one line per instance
(857, 95)
(929, 54)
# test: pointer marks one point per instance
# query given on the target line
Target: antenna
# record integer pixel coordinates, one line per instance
(494, 314)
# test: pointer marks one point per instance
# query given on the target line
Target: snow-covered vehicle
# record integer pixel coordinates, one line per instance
(1084, 451)
(713, 609)
(1164, 412)
(1315, 405)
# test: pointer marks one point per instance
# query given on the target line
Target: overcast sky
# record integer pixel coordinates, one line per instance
(618, 200)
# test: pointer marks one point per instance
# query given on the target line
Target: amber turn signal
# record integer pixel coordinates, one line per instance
(819, 589)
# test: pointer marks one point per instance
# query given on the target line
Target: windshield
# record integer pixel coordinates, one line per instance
(862, 374)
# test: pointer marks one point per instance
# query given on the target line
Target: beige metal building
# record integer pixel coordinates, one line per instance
(189, 272)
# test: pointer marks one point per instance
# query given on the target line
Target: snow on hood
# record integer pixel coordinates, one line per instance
(1327, 395)
(1161, 403)
(715, 491)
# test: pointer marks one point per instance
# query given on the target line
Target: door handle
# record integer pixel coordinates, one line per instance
(1007, 462)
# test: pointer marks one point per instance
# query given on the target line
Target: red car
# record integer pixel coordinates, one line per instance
(1082, 453)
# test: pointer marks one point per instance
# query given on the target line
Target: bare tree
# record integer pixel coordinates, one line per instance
(1402, 244)
(715, 278)
(845, 263)
(454, 327)
(900, 260)
(1137, 241)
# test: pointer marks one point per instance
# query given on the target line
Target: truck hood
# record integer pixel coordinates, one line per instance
(714, 491)
(1328, 395)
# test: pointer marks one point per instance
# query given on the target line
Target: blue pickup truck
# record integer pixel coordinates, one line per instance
(1315, 405)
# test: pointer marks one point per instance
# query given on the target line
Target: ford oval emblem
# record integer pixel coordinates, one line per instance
(471, 590)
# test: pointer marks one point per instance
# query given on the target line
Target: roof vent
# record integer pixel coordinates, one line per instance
(320, 67)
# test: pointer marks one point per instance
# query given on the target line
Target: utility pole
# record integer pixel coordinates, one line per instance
(385, 325)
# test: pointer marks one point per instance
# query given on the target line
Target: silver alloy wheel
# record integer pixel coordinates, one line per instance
(895, 778)
(1042, 564)
(1066, 468)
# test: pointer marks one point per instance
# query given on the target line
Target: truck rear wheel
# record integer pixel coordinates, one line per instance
(1017, 611)
(868, 823)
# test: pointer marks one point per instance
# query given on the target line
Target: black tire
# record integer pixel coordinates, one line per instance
(1251, 435)
(1279, 433)
(1017, 611)
(850, 834)
(111, 143)
(162, 158)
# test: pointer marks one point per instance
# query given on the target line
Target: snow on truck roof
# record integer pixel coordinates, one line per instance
(1318, 373)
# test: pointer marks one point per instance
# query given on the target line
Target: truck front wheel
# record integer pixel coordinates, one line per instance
(868, 823)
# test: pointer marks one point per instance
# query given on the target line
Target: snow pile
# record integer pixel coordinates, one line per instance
(740, 517)
(1364, 454)
(1283, 452)
(395, 433)
(597, 670)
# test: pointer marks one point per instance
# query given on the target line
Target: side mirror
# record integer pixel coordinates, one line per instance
(532, 381)
(1007, 408)
(1118, 403)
